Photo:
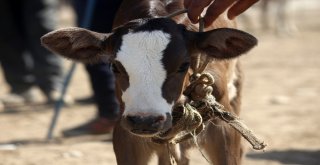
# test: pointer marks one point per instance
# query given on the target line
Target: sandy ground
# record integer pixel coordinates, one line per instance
(281, 104)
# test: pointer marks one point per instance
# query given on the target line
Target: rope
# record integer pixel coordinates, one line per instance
(189, 119)
(172, 160)
(176, 13)
(235, 123)
(198, 147)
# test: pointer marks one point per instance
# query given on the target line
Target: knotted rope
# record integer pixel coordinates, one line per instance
(189, 119)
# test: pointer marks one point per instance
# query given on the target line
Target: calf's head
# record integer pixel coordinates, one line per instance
(150, 59)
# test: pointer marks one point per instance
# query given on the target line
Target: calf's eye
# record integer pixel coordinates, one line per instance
(183, 67)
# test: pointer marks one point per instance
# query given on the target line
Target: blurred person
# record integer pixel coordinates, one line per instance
(25, 63)
(283, 21)
(1, 106)
(101, 77)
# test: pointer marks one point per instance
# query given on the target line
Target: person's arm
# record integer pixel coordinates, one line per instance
(195, 8)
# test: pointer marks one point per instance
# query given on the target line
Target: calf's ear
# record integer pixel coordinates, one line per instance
(223, 43)
(77, 44)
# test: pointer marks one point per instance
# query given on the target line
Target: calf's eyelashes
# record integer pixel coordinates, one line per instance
(184, 67)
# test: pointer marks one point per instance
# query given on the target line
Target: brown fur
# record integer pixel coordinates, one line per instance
(220, 142)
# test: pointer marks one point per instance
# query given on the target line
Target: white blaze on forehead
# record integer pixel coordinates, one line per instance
(141, 55)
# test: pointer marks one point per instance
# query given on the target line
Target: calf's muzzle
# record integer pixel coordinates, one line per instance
(147, 125)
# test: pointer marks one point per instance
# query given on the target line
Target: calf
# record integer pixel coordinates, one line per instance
(151, 58)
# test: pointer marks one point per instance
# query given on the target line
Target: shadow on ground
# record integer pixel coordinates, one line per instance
(106, 138)
(301, 157)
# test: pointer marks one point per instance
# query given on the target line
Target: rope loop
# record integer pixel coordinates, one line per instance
(188, 120)
(200, 87)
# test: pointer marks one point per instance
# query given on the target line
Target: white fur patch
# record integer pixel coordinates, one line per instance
(141, 54)
(232, 90)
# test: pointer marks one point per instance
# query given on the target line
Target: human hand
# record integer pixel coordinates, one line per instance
(195, 8)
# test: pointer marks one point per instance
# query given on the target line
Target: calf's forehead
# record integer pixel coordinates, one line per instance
(141, 55)
(143, 49)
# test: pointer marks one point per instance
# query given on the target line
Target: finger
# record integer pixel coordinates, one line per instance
(215, 9)
(240, 7)
(195, 9)
(187, 3)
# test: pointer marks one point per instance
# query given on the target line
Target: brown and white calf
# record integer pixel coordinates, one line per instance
(151, 56)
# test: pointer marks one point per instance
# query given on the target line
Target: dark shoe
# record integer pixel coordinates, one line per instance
(96, 126)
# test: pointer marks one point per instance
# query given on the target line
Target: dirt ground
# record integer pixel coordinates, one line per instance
(280, 103)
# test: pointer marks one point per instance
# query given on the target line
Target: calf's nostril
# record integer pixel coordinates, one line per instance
(146, 125)
(159, 119)
(145, 121)
(134, 119)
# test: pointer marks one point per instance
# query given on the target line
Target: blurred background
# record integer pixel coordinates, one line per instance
(280, 97)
